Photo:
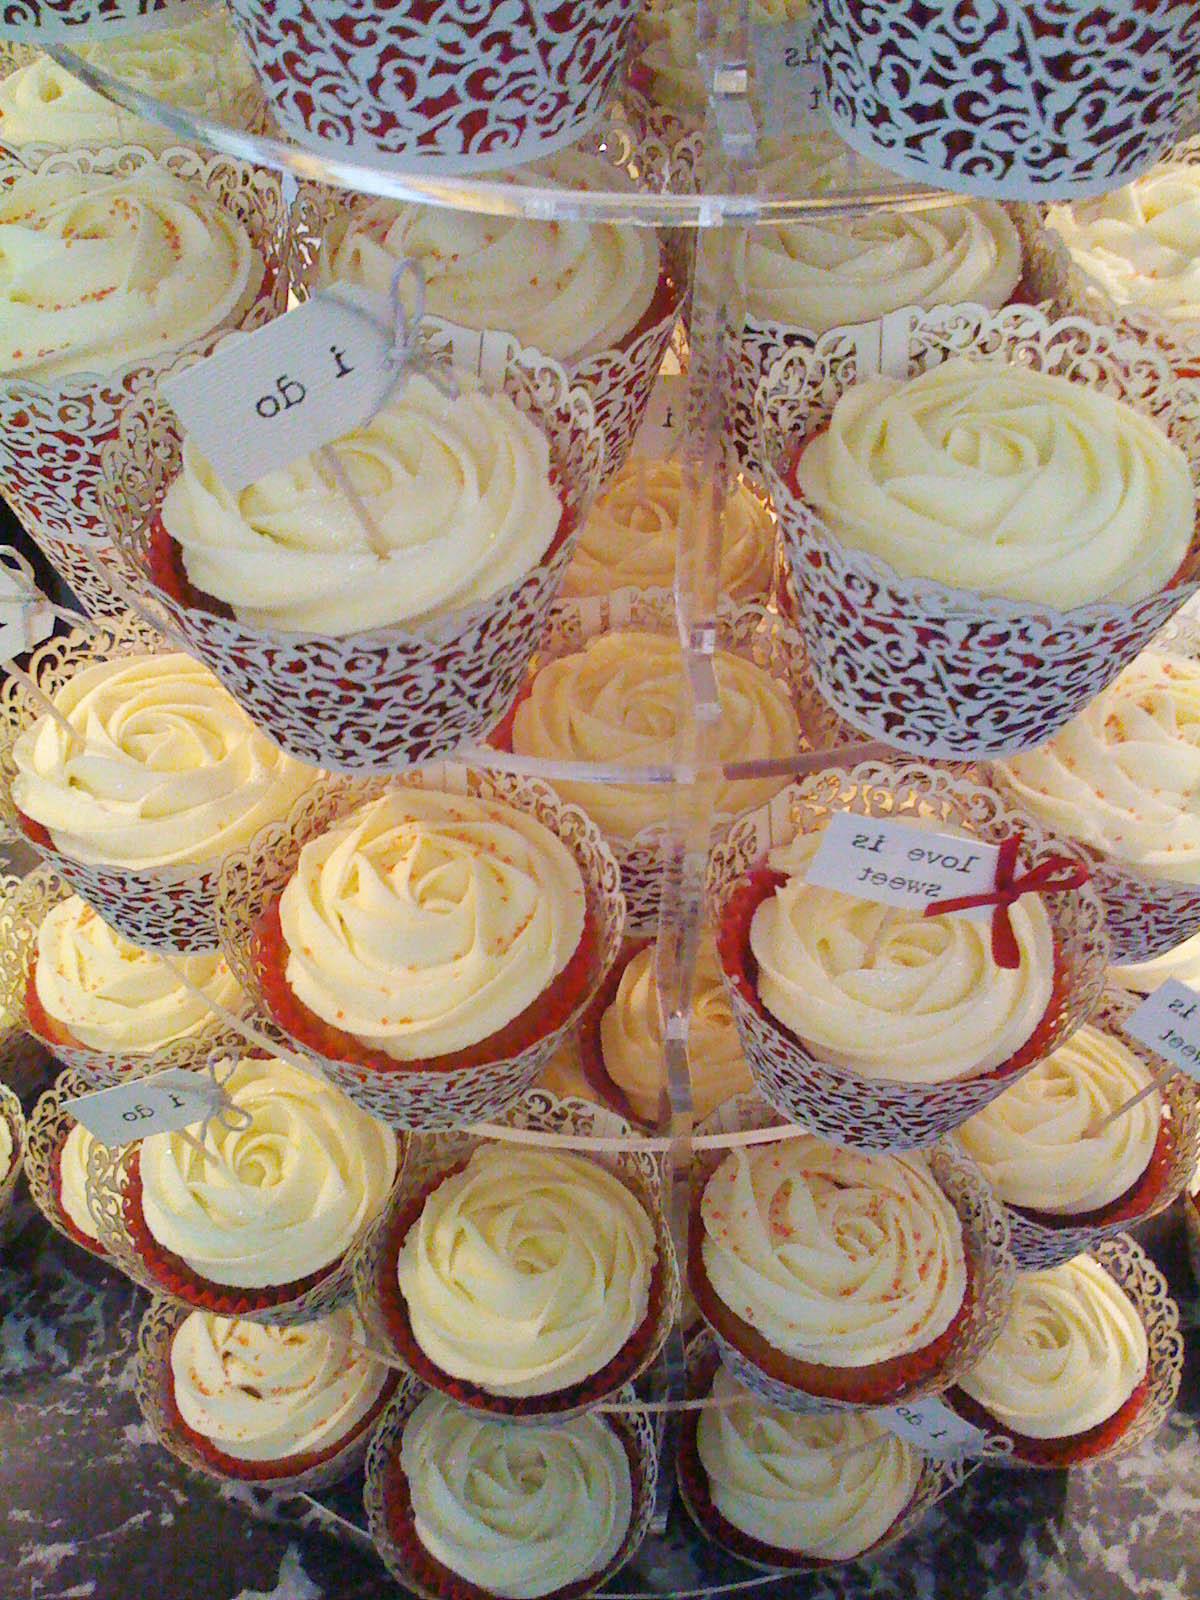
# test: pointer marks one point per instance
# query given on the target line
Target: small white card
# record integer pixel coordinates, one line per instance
(661, 432)
(788, 75)
(26, 617)
(163, 1103)
(933, 1427)
(1169, 1022)
(897, 864)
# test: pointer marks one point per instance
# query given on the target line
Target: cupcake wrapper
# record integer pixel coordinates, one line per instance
(948, 98)
(412, 1568)
(1036, 1243)
(434, 1157)
(22, 913)
(85, 569)
(52, 434)
(154, 1389)
(670, 144)
(1191, 1218)
(163, 908)
(752, 631)
(71, 21)
(11, 1113)
(941, 672)
(503, 95)
(985, 1239)
(46, 1132)
(938, 1479)
(1131, 1267)
(379, 701)
(882, 1113)
(422, 1098)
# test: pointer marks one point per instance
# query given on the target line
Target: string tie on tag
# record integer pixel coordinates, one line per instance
(1054, 875)
(222, 1111)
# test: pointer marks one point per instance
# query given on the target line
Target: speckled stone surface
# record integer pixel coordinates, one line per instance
(96, 1511)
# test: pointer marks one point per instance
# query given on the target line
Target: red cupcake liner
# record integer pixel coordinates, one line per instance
(1139, 1198)
(588, 1040)
(1066, 1452)
(39, 1020)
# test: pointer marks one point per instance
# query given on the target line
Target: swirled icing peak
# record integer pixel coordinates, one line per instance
(1144, 977)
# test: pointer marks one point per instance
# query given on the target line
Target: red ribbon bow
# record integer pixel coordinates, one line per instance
(1051, 876)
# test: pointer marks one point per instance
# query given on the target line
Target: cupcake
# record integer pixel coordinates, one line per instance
(1068, 1373)
(629, 537)
(839, 1276)
(784, 1490)
(469, 1505)
(524, 1281)
(621, 1042)
(1144, 977)
(286, 1184)
(68, 1185)
(263, 1404)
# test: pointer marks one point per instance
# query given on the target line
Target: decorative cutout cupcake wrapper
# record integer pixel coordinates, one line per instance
(70, 21)
(47, 1130)
(1034, 1244)
(420, 1099)
(671, 145)
(985, 1238)
(164, 908)
(635, 1430)
(938, 1479)
(431, 1157)
(941, 672)
(11, 1113)
(881, 1113)
(752, 631)
(22, 913)
(152, 1383)
(52, 434)
(374, 702)
(1009, 100)
(84, 569)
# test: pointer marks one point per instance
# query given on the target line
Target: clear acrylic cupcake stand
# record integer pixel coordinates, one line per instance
(701, 189)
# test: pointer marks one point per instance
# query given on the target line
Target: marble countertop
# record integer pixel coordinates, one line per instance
(97, 1511)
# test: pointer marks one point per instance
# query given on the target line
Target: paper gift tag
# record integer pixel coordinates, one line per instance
(26, 616)
(788, 76)
(933, 1427)
(662, 429)
(897, 864)
(163, 1103)
(1169, 1022)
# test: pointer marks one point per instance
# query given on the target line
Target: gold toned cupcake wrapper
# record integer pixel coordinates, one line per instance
(634, 1430)
(432, 1157)
(47, 1130)
(884, 1113)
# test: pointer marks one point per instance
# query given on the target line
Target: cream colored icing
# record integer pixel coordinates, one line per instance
(621, 698)
(99, 272)
(458, 488)
(827, 272)
(275, 1201)
(569, 289)
(72, 1175)
(7, 1147)
(1144, 977)
(1005, 481)
(1042, 1143)
(1070, 1353)
(110, 995)
(888, 992)
(266, 1394)
(630, 535)
(632, 1043)
(517, 1511)
(528, 1271)
(1124, 775)
(836, 1257)
(167, 769)
(829, 1487)
(1141, 243)
(426, 922)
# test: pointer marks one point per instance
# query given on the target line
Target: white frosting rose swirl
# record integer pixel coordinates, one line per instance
(275, 1201)
(528, 1271)
(1141, 243)
(110, 995)
(265, 1394)
(426, 922)
(889, 993)
(1144, 977)
(1004, 481)
(516, 1511)
(632, 1044)
(834, 1256)
(824, 273)
(72, 1180)
(621, 699)
(569, 289)
(99, 272)
(167, 769)
(630, 535)
(7, 1147)
(1124, 775)
(1042, 1143)
(458, 488)
(1070, 1354)
(829, 1487)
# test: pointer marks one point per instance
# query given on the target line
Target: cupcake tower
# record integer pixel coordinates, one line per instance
(351, 816)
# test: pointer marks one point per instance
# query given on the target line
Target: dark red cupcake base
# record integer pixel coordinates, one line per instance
(1066, 1452)
(1138, 1199)
(41, 1024)
(92, 1245)
(591, 1049)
